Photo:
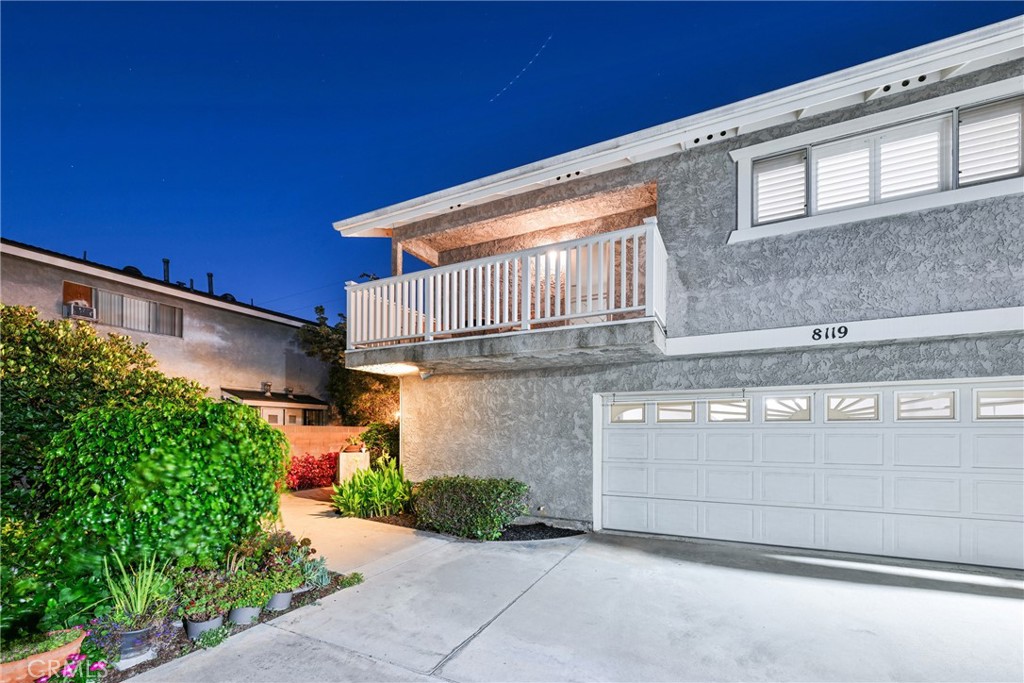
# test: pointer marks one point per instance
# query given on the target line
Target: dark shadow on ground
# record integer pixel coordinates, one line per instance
(881, 571)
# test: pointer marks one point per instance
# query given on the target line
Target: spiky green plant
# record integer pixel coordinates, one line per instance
(140, 594)
(373, 493)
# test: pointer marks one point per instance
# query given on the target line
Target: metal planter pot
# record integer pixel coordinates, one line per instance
(194, 629)
(243, 616)
(280, 601)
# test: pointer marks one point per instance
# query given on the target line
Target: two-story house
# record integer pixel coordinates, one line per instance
(794, 320)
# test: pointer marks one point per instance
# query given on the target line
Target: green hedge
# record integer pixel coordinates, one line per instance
(165, 478)
(470, 507)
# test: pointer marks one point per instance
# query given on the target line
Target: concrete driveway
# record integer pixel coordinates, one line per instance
(616, 608)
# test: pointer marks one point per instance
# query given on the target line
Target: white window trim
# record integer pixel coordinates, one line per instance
(924, 420)
(878, 407)
(745, 159)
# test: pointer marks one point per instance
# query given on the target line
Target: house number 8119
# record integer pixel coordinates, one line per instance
(820, 333)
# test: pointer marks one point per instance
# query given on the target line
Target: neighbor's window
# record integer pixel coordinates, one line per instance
(999, 404)
(926, 405)
(118, 310)
(678, 411)
(787, 409)
(851, 408)
(891, 163)
(628, 412)
(729, 410)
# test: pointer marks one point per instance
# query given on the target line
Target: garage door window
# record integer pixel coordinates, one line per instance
(729, 410)
(999, 404)
(852, 408)
(628, 412)
(925, 405)
(680, 411)
(787, 409)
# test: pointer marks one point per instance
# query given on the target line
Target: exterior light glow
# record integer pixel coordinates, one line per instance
(394, 369)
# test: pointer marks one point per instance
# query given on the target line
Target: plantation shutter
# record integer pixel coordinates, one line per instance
(911, 159)
(990, 142)
(842, 175)
(780, 187)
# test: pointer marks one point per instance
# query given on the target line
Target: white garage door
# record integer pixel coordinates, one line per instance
(930, 471)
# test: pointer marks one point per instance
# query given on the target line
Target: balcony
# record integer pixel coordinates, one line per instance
(553, 304)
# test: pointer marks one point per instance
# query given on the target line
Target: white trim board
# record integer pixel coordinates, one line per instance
(962, 323)
(167, 290)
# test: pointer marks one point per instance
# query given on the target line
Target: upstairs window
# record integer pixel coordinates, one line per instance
(958, 148)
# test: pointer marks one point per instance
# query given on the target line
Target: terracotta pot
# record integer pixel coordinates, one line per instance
(243, 616)
(194, 629)
(279, 601)
(38, 665)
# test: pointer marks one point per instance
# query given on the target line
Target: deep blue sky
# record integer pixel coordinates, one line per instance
(227, 137)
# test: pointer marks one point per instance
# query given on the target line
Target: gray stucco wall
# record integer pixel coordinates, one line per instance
(948, 259)
(537, 426)
(217, 347)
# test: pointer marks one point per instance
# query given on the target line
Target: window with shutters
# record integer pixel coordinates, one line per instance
(118, 310)
(959, 148)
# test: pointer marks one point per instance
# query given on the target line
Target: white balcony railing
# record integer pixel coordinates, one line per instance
(612, 276)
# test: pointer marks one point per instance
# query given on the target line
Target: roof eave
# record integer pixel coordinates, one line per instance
(947, 57)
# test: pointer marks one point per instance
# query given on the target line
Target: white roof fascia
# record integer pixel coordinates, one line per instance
(168, 290)
(944, 58)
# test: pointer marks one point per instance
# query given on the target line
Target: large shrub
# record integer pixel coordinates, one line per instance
(470, 507)
(373, 493)
(52, 369)
(312, 471)
(165, 478)
(382, 442)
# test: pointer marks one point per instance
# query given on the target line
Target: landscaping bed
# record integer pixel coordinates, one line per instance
(177, 644)
(517, 532)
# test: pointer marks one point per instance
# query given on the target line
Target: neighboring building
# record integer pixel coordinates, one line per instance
(277, 408)
(794, 320)
(209, 338)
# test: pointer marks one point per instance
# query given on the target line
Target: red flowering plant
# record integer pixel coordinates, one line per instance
(312, 471)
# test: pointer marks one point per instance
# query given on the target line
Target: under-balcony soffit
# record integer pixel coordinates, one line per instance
(529, 220)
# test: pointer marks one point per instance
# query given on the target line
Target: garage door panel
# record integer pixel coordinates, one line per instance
(854, 449)
(855, 531)
(998, 543)
(787, 487)
(998, 450)
(625, 514)
(729, 522)
(854, 490)
(676, 446)
(626, 446)
(729, 484)
(998, 497)
(932, 538)
(626, 479)
(901, 480)
(782, 526)
(926, 494)
(676, 482)
(927, 450)
(676, 517)
(787, 448)
(729, 447)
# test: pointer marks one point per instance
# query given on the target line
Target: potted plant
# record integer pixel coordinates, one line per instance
(201, 601)
(247, 593)
(314, 569)
(283, 577)
(41, 655)
(141, 597)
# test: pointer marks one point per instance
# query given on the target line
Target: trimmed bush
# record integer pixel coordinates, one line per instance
(312, 471)
(470, 507)
(373, 493)
(165, 479)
